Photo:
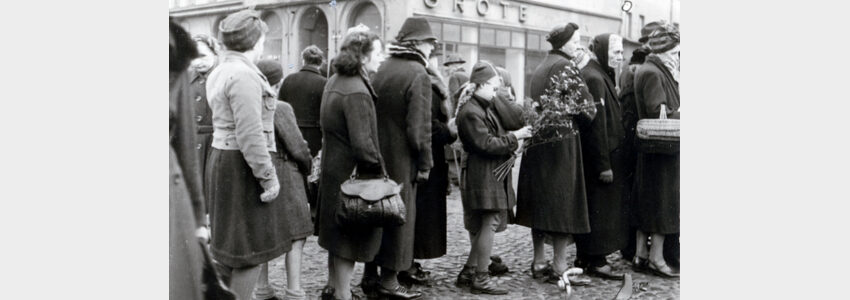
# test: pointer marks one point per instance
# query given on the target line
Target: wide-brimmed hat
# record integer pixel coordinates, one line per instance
(454, 59)
(415, 29)
(664, 38)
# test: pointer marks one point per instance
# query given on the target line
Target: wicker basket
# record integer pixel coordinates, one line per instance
(658, 135)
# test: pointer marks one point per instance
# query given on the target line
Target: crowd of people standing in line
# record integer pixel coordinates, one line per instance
(245, 139)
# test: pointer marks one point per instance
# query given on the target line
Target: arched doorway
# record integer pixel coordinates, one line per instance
(367, 14)
(273, 48)
(313, 30)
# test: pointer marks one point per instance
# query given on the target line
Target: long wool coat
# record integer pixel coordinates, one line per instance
(403, 111)
(185, 206)
(487, 146)
(292, 161)
(350, 135)
(551, 191)
(303, 90)
(430, 237)
(202, 117)
(657, 174)
(601, 151)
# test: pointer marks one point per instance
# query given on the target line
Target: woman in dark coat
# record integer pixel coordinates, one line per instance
(207, 60)
(486, 200)
(349, 127)
(403, 112)
(551, 191)
(430, 234)
(656, 84)
(604, 162)
(303, 90)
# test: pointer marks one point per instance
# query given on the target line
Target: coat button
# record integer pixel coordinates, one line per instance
(199, 118)
(199, 146)
(198, 98)
(202, 81)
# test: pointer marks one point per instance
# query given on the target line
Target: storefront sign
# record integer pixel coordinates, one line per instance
(483, 7)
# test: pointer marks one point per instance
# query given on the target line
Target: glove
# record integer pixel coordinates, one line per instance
(270, 192)
(607, 176)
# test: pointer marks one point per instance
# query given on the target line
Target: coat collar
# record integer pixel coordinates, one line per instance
(561, 54)
(239, 57)
(483, 103)
(311, 68)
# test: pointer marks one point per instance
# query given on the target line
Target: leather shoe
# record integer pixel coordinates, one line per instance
(640, 264)
(542, 272)
(369, 285)
(663, 270)
(604, 272)
(464, 278)
(399, 292)
(419, 276)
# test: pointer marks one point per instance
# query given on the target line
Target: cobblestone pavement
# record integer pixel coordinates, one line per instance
(513, 245)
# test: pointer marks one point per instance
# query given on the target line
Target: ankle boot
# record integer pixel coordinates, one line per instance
(483, 285)
(465, 277)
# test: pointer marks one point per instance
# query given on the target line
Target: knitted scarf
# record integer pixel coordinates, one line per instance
(407, 51)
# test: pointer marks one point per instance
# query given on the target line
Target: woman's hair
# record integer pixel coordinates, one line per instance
(209, 41)
(312, 55)
(181, 48)
(355, 46)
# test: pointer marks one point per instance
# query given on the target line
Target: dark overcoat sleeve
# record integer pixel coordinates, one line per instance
(648, 83)
(419, 120)
(287, 130)
(361, 121)
(476, 136)
(598, 132)
(183, 140)
(440, 134)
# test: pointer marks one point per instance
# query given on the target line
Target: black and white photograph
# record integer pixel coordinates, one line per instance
(424, 149)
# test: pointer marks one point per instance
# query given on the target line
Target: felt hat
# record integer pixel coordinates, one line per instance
(561, 34)
(241, 30)
(271, 69)
(482, 72)
(454, 59)
(415, 29)
(648, 29)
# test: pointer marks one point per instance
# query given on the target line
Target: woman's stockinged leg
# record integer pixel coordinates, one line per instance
(640, 247)
(537, 239)
(293, 265)
(484, 242)
(472, 260)
(560, 244)
(264, 290)
(342, 271)
(243, 280)
(656, 252)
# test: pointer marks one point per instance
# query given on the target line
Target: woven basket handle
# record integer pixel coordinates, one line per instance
(663, 113)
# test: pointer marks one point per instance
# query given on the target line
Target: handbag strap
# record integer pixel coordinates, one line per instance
(383, 170)
(663, 113)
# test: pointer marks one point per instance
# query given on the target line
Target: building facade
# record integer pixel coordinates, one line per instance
(509, 33)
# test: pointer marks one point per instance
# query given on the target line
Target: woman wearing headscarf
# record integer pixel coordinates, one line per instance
(486, 201)
(604, 162)
(429, 240)
(240, 176)
(350, 140)
(657, 84)
(551, 196)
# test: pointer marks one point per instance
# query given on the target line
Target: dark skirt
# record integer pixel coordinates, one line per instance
(657, 193)
(293, 195)
(551, 192)
(240, 231)
(607, 209)
(430, 233)
(204, 147)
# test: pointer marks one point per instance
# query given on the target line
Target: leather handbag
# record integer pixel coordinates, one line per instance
(658, 136)
(374, 202)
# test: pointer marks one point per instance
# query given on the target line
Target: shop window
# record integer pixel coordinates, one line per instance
(517, 40)
(367, 14)
(273, 48)
(451, 32)
(487, 37)
(313, 30)
(495, 56)
(503, 38)
(533, 42)
(532, 60)
(470, 34)
(437, 29)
